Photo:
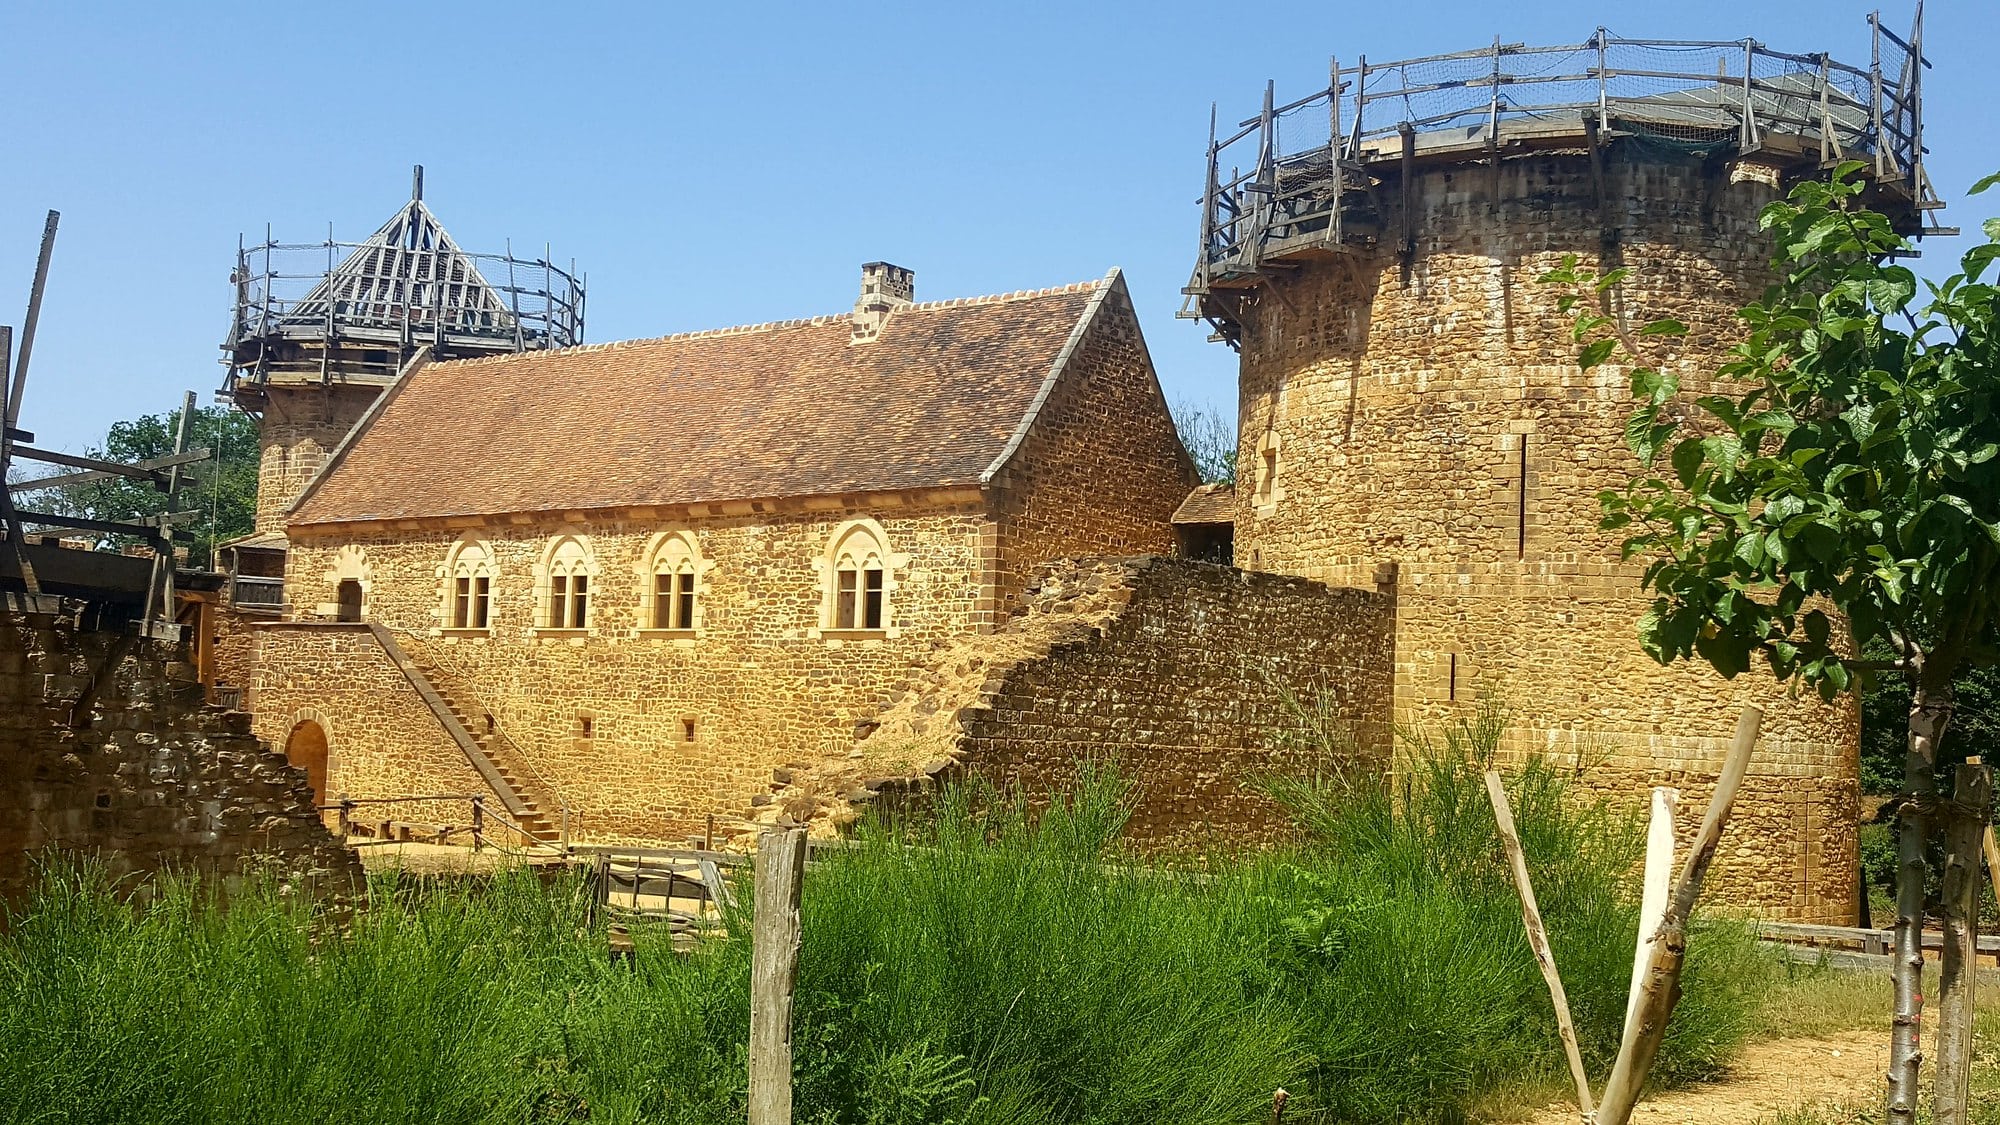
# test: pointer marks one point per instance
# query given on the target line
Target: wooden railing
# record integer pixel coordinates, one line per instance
(1858, 946)
(482, 821)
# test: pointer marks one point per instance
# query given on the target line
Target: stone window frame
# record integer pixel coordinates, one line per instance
(675, 551)
(861, 541)
(471, 558)
(1268, 471)
(350, 564)
(568, 556)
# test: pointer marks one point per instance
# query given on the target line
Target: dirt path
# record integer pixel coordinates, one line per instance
(1837, 1070)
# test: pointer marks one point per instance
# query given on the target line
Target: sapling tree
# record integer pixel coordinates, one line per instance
(1838, 486)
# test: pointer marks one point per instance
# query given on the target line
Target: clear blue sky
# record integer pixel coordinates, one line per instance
(715, 164)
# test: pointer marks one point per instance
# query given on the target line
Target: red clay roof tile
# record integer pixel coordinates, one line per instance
(786, 409)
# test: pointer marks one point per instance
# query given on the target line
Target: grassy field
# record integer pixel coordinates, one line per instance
(988, 966)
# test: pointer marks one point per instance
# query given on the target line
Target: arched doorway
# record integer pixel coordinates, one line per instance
(305, 748)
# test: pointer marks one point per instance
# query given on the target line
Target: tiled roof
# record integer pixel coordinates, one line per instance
(1210, 503)
(773, 410)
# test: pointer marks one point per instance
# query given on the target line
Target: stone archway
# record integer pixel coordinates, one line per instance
(306, 748)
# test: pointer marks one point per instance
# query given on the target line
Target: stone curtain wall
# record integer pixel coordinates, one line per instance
(1102, 469)
(1432, 416)
(235, 649)
(298, 431)
(757, 681)
(1190, 676)
(382, 739)
(155, 780)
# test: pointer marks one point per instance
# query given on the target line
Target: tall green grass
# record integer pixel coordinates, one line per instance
(992, 964)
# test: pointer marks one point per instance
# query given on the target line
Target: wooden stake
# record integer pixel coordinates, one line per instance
(1964, 825)
(1659, 884)
(774, 965)
(1538, 936)
(1992, 849)
(1662, 989)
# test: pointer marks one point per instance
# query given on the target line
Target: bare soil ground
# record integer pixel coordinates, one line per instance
(435, 859)
(1825, 1073)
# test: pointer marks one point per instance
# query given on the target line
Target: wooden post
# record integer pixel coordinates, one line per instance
(346, 818)
(1663, 989)
(1992, 849)
(478, 823)
(1964, 826)
(774, 964)
(1659, 883)
(1538, 936)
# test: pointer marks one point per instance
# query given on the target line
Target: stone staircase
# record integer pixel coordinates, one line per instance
(534, 816)
(523, 799)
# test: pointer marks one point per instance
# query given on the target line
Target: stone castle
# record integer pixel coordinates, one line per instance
(784, 570)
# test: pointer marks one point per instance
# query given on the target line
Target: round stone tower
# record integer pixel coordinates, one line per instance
(1413, 418)
(323, 329)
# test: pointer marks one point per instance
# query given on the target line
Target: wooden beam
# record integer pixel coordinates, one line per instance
(116, 471)
(109, 527)
(41, 281)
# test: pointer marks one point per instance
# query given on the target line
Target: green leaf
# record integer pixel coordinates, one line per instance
(1688, 457)
(1750, 549)
(1984, 183)
(1776, 547)
(1667, 327)
(1596, 352)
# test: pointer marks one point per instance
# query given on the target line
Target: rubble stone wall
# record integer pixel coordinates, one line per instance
(382, 739)
(1102, 468)
(643, 733)
(1429, 413)
(154, 778)
(1190, 677)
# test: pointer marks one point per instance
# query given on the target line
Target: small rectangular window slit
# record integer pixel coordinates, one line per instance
(1521, 531)
(1451, 685)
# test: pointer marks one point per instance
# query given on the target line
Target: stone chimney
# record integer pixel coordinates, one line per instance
(884, 289)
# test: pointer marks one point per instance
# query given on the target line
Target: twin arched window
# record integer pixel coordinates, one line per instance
(673, 577)
(468, 574)
(858, 575)
(568, 570)
(859, 566)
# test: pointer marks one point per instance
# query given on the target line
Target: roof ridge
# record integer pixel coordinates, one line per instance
(795, 322)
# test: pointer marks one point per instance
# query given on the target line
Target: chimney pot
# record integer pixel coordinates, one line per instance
(884, 289)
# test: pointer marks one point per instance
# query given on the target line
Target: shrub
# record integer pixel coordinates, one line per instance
(1402, 925)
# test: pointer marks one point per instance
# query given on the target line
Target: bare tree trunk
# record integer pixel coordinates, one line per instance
(1538, 936)
(1930, 712)
(1964, 824)
(1662, 991)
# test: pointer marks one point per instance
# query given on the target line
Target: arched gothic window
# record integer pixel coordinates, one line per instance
(566, 585)
(468, 577)
(673, 582)
(859, 573)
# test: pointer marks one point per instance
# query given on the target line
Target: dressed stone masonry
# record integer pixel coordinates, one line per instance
(646, 573)
(1421, 420)
(145, 776)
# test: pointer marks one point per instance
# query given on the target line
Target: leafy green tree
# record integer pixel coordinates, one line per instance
(1885, 711)
(223, 491)
(1849, 475)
